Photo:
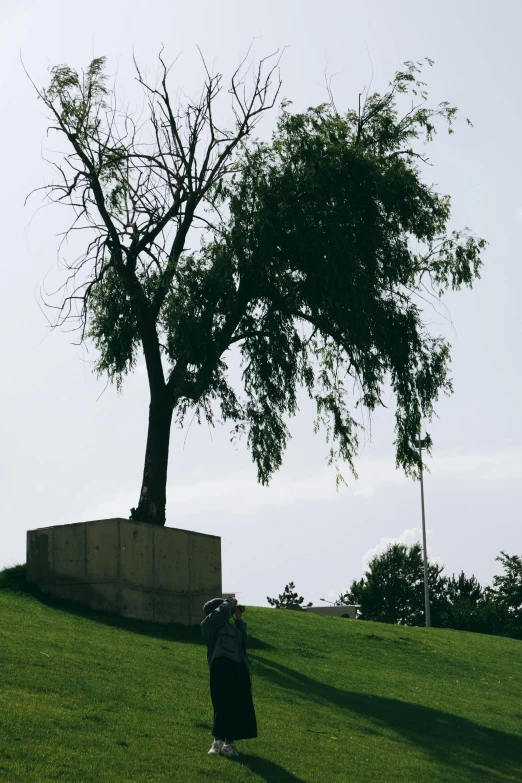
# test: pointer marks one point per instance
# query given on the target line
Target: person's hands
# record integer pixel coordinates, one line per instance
(237, 614)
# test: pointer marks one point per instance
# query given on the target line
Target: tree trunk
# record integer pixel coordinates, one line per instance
(153, 497)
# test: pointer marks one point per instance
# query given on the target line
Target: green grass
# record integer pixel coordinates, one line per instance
(87, 698)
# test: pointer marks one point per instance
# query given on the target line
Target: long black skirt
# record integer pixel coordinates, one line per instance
(231, 694)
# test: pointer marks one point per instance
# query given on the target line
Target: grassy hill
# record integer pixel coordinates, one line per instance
(89, 698)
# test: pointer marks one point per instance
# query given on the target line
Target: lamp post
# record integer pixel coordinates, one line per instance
(421, 443)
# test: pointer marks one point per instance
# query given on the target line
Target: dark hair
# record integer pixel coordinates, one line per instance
(212, 604)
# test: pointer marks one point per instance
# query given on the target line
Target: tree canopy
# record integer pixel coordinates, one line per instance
(392, 588)
(507, 591)
(319, 247)
(332, 226)
(392, 591)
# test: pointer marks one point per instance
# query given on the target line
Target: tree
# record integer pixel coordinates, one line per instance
(320, 248)
(140, 187)
(392, 588)
(288, 600)
(463, 588)
(507, 592)
(468, 606)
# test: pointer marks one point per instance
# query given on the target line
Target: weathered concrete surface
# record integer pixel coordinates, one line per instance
(136, 555)
(169, 608)
(41, 560)
(134, 569)
(336, 611)
(102, 551)
(69, 554)
(171, 574)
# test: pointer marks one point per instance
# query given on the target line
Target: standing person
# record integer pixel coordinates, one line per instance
(230, 675)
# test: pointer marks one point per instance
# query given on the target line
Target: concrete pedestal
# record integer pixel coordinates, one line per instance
(138, 570)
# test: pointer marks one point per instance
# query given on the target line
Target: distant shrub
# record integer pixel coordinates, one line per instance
(14, 578)
(288, 600)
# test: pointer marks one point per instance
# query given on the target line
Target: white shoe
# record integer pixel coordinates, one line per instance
(229, 749)
(216, 747)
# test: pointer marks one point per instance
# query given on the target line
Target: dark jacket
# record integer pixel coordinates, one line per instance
(222, 638)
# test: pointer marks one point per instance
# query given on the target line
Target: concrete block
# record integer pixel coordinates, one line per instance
(169, 608)
(136, 554)
(40, 555)
(143, 571)
(171, 559)
(205, 561)
(102, 551)
(137, 603)
(69, 553)
(103, 596)
(72, 592)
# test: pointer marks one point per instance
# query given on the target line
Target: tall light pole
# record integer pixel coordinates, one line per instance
(421, 443)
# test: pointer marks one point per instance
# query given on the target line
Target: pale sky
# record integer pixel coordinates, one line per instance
(72, 452)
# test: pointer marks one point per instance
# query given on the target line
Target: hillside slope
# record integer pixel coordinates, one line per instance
(89, 698)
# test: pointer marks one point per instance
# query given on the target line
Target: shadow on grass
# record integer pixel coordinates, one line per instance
(464, 746)
(14, 579)
(267, 770)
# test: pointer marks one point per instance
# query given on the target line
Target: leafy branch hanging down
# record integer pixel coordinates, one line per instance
(333, 226)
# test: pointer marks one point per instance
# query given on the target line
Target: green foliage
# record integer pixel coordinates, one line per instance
(470, 607)
(392, 589)
(463, 588)
(484, 616)
(79, 105)
(79, 99)
(113, 327)
(334, 228)
(113, 176)
(492, 610)
(316, 270)
(507, 591)
(14, 579)
(288, 600)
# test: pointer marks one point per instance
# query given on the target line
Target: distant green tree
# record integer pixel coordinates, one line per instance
(392, 588)
(470, 607)
(464, 588)
(507, 591)
(288, 600)
(487, 616)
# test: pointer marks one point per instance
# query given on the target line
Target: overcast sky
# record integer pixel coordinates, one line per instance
(72, 452)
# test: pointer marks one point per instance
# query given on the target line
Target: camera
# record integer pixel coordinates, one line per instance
(240, 607)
